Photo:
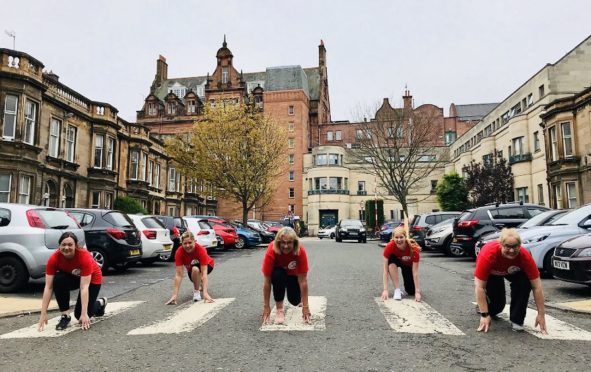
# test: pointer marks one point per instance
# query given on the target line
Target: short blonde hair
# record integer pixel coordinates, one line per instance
(507, 233)
(289, 233)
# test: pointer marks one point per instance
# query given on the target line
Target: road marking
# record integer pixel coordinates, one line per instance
(186, 319)
(557, 329)
(409, 316)
(293, 317)
(113, 308)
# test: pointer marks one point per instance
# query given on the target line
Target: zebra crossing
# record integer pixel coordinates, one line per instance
(406, 316)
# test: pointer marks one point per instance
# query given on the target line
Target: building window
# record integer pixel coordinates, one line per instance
(5, 188)
(291, 192)
(291, 159)
(172, 179)
(171, 108)
(70, 143)
(156, 182)
(143, 166)
(98, 150)
(290, 127)
(290, 110)
(553, 144)
(536, 142)
(557, 197)
(30, 121)
(333, 159)
(541, 91)
(329, 136)
(291, 175)
(517, 146)
(321, 159)
(96, 200)
(450, 137)
(487, 160)
(291, 143)
(24, 190)
(108, 200)
(359, 134)
(134, 156)
(54, 137)
(338, 135)
(567, 141)
(540, 194)
(360, 185)
(191, 106)
(320, 183)
(335, 183)
(571, 195)
(433, 186)
(110, 152)
(10, 111)
(152, 109)
(522, 194)
(224, 75)
(150, 172)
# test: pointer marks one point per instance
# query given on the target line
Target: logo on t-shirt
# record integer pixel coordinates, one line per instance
(292, 265)
(405, 258)
(76, 272)
(513, 269)
(194, 262)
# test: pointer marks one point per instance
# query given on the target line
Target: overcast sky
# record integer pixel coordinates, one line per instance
(455, 51)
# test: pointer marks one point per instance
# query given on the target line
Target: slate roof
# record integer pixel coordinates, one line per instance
(475, 111)
(286, 78)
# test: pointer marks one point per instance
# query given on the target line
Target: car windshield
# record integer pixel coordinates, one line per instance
(536, 220)
(351, 223)
(574, 217)
(443, 224)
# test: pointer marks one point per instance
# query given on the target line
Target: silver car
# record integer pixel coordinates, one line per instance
(438, 237)
(29, 234)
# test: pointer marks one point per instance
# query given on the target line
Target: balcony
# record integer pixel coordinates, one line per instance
(519, 158)
(362, 192)
(335, 191)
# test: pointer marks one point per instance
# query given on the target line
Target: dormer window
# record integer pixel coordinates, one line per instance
(224, 75)
(171, 108)
(191, 106)
(152, 109)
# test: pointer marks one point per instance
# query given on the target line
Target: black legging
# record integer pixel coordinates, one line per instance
(409, 282)
(520, 289)
(64, 283)
(280, 282)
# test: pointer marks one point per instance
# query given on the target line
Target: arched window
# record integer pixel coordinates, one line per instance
(68, 197)
(50, 194)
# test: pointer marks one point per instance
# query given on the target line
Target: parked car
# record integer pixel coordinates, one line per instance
(223, 229)
(438, 237)
(263, 230)
(176, 226)
(387, 228)
(350, 230)
(420, 222)
(274, 226)
(204, 233)
(111, 237)
(327, 232)
(29, 234)
(156, 242)
(247, 236)
(571, 261)
(542, 219)
(474, 223)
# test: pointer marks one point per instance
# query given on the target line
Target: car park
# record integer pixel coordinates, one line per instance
(474, 223)
(156, 242)
(438, 237)
(247, 236)
(327, 232)
(111, 237)
(204, 233)
(571, 260)
(420, 222)
(29, 234)
(350, 230)
(225, 230)
(176, 226)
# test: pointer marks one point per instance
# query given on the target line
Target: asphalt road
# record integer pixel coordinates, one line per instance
(357, 335)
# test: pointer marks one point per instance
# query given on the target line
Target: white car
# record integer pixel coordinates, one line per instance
(204, 234)
(156, 242)
(326, 232)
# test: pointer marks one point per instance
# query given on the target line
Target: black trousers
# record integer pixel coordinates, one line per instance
(63, 283)
(409, 282)
(520, 289)
(281, 283)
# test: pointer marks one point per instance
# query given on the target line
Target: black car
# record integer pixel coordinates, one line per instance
(350, 230)
(571, 261)
(177, 226)
(111, 237)
(475, 223)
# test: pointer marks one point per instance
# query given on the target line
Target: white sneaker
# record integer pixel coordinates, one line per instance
(196, 296)
(516, 327)
(397, 294)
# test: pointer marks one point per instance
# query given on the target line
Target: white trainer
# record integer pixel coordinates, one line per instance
(397, 294)
(196, 296)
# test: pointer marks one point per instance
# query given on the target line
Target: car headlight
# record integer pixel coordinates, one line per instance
(361, 230)
(585, 253)
(343, 229)
(535, 239)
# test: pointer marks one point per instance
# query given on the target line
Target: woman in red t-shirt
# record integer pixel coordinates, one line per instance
(285, 269)
(402, 252)
(198, 265)
(68, 268)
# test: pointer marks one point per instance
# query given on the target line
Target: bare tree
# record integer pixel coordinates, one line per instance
(400, 148)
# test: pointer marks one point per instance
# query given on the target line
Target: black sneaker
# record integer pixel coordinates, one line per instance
(101, 310)
(63, 324)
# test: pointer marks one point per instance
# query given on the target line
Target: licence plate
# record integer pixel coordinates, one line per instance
(167, 247)
(455, 240)
(563, 265)
(134, 252)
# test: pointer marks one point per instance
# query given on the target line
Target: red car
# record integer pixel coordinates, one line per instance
(224, 230)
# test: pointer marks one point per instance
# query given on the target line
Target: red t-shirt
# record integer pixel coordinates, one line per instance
(198, 255)
(81, 265)
(403, 255)
(491, 261)
(294, 265)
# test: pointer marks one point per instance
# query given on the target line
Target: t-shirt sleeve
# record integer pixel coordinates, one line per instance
(178, 257)
(268, 261)
(51, 267)
(85, 263)
(303, 261)
(483, 267)
(529, 266)
(416, 256)
(388, 249)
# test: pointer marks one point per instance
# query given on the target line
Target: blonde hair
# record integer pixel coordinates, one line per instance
(411, 243)
(187, 235)
(507, 233)
(289, 233)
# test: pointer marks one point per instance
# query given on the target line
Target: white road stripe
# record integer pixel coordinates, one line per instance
(557, 329)
(113, 308)
(409, 316)
(293, 317)
(186, 319)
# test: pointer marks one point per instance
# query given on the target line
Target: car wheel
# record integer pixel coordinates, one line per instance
(548, 270)
(241, 243)
(320, 237)
(365, 240)
(13, 274)
(455, 251)
(332, 235)
(101, 259)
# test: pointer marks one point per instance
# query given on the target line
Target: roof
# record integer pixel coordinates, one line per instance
(475, 111)
(286, 78)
